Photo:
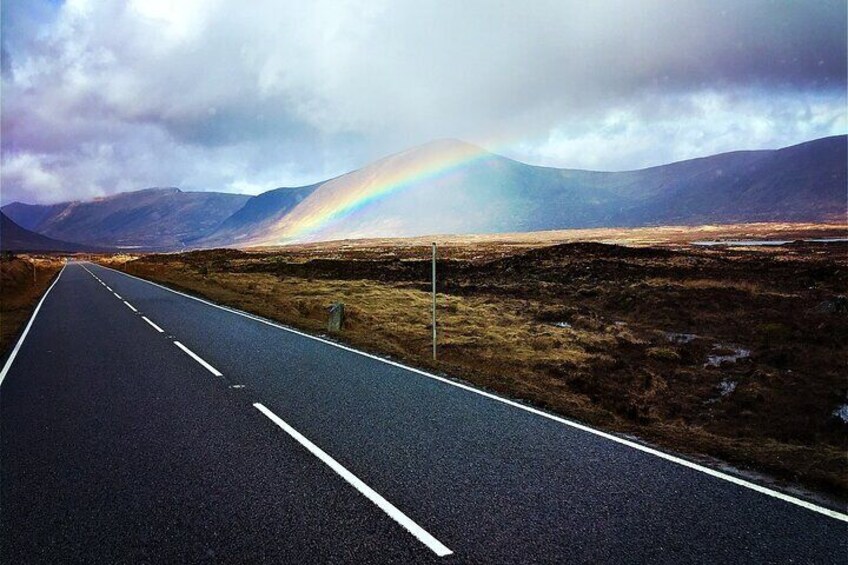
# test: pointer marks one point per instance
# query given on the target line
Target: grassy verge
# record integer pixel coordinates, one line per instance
(23, 280)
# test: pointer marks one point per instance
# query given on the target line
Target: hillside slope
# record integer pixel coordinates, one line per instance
(15, 238)
(260, 212)
(453, 187)
(165, 218)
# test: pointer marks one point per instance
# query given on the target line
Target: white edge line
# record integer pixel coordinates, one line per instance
(130, 306)
(21, 339)
(423, 536)
(155, 327)
(645, 449)
(197, 358)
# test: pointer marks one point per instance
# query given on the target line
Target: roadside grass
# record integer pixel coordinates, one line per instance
(20, 291)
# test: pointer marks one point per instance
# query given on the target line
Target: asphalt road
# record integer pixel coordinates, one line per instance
(140, 425)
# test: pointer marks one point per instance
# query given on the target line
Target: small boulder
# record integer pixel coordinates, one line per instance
(337, 317)
(837, 305)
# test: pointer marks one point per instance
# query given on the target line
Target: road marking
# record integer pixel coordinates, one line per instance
(576, 425)
(108, 288)
(155, 327)
(118, 295)
(130, 306)
(197, 358)
(423, 536)
(21, 339)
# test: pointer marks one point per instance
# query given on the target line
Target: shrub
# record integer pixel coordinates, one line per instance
(663, 354)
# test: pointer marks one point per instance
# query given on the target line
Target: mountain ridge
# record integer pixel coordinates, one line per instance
(15, 238)
(152, 218)
(450, 186)
(492, 193)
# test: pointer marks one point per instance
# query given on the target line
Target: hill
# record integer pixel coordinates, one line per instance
(259, 213)
(15, 238)
(453, 187)
(156, 218)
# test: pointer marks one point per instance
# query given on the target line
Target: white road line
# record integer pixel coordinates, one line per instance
(130, 306)
(638, 446)
(423, 536)
(155, 327)
(108, 288)
(17, 348)
(197, 358)
(118, 295)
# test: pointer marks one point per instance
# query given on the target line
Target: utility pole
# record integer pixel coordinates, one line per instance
(434, 301)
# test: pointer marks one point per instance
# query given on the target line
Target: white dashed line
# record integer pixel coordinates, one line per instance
(118, 295)
(197, 358)
(423, 536)
(155, 327)
(108, 288)
(130, 306)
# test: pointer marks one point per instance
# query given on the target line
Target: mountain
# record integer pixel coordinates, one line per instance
(258, 214)
(450, 186)
(453, 187)
(155, 218)
(15, 238)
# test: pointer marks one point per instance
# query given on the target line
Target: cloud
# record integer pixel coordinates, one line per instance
(29, 175)
(206, 95)
(700, 124)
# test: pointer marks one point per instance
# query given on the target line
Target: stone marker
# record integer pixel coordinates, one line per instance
(337, 316)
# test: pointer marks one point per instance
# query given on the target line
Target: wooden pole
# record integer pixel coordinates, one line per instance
(434, 301)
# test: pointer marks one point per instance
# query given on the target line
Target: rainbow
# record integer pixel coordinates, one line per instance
(345, 195)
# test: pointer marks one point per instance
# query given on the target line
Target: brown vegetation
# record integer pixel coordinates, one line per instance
(734, 353)
(23, 279)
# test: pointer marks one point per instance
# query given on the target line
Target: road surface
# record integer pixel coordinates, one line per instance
(138, 424)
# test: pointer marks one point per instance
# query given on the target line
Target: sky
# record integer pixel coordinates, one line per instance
(100, 97)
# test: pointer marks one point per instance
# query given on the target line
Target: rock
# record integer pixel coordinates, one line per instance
(337, 317)
(838, 305)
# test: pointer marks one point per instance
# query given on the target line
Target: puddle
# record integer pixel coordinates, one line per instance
(737, 354)
(726, 387)
(679, 338)
(562, 324)
(764, 242)
(743, 242)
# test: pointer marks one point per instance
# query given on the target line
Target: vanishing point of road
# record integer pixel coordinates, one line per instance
(141, 425)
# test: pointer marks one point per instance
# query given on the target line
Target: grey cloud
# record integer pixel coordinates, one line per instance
(214, 95)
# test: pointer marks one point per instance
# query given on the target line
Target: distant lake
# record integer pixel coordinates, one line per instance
(767, 242)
